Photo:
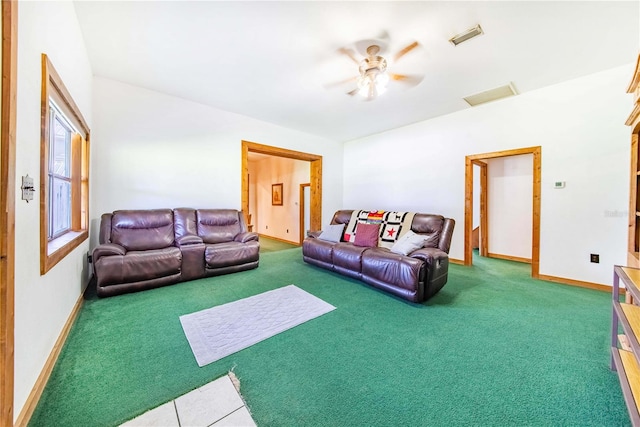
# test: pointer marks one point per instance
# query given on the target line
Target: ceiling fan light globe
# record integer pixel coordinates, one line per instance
(380, 88)
(363, 85)
(382, 80)
(377, 79)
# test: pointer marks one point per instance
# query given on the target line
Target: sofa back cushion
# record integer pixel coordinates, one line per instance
(105, 228)
(138, 230)
(184, 222)
(218, 225)
(342, 217)
(430, 226)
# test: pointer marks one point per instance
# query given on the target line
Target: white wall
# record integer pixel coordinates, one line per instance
(510, 205)
(43, 303)
(152, 150)
(282, 222)
(580, 126)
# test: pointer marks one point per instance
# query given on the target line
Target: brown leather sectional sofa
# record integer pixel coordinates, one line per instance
(415, 277)
(143, 249)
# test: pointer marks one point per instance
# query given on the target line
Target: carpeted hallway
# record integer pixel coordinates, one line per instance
(268, 244)
(493, 348)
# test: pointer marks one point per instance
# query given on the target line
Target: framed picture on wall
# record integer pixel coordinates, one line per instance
(276, 194)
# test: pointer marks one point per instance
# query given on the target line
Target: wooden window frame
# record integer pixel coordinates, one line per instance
(54, 250)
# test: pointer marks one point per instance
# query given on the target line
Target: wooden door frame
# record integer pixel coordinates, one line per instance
(484, 208)
(302, 231)
(468, 210)
(315, 176)
(9, 10)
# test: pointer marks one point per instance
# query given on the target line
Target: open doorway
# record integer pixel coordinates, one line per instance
(315, 178)
(480, 233)
(481, 161)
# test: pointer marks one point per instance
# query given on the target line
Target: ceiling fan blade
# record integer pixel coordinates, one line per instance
(341, 82)
(406, 50)
(410, 79)
(353, 92)
(349, 53)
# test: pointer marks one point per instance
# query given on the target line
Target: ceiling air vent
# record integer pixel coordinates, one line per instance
(491, 95)
(469, 34)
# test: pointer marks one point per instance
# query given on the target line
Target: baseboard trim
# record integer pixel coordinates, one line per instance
(510, 258)
(36, 393)
(456, 261)
(579, 283)
(279, 239)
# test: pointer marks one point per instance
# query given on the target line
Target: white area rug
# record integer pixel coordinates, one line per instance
(223, 330)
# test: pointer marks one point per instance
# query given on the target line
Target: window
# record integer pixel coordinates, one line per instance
(64, 175)
(59, 173)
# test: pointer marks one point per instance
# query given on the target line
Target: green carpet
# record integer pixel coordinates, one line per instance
(492, 348)
(272, 245)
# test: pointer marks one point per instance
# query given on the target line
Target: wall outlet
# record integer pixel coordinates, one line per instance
(287, 230)
(266, 227)
(595, 258)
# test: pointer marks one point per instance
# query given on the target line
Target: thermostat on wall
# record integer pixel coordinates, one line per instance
(558, 184)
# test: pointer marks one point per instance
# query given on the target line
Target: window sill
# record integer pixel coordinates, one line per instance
(60, 247)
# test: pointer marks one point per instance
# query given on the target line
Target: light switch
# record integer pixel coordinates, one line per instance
(27, 188)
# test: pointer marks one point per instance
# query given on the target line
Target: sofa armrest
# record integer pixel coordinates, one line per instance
(314, 234)
(246, 237)
(188, 239)
(430, 256)
(107, 249)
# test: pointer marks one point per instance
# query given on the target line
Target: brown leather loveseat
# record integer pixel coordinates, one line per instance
(415, 277)
(143, 249)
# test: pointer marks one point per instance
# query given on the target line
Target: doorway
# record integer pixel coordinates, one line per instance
(480, 160)
(481, 232)
(315, 177)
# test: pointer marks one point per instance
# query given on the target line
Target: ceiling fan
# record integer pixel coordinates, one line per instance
(373, 71)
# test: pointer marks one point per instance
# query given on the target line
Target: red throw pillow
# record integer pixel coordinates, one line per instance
(367, 235)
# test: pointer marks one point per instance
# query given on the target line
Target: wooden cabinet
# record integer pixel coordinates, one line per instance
(625, 329)
(633, 258)
(625, 333)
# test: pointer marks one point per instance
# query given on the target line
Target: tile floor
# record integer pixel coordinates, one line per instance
(215, 404)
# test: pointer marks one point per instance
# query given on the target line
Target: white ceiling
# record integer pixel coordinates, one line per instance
(273, 60)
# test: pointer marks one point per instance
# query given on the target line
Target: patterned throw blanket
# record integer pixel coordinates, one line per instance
(392, 225)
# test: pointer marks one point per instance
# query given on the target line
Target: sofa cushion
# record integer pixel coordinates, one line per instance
(348, 255)
(139, 230)
(218, 225)
(320, 250)
(231, 253)
(137, 266)
(382, 265)
(367, 235)
(333, 233)
(408, 243)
